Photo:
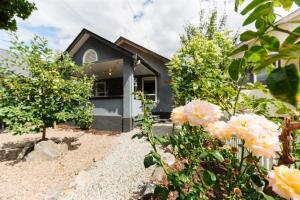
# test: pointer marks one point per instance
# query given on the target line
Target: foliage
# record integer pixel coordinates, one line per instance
(40, 87)
(208, 26)
(198, 70)
(210, 169)
(9, 9)
(296, 145)
(83, 117)
(262, 49)
(207, 166)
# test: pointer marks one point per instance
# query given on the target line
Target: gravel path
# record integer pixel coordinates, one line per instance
(119, 176)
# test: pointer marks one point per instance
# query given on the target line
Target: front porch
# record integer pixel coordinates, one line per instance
(115, 82)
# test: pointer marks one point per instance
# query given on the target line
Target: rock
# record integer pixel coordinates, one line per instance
(158, 174)
(147, 191)
(25, 151)
(168, 158)
(46, 150)
(83, 179)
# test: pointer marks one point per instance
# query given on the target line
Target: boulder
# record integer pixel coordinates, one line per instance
(168, 158)
(46, 150)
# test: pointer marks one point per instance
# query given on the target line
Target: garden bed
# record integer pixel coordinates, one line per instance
(37, 179)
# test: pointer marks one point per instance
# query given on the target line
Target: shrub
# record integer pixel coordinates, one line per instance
(51, 88)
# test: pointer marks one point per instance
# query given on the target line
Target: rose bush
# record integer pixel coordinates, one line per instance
(220, 133)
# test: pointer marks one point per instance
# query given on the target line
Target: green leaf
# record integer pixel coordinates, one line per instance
(260, 11)
(237, 4)
(161, 192)
(151, 159)
(217, 155)
(209, 177)
(257, 180)
(248, 35)
(297, 2)
(204, 154)
(267, 197)
(235, 68)
(252, 5)
(288, 51)
(283, 83)
(292, 38)
(183, 178)
(287, 4)
(270, 42)
(242, 48)
(256, 54)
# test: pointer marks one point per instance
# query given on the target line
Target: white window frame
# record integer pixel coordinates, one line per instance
(96, 89)
(150, 79)
(85, 54)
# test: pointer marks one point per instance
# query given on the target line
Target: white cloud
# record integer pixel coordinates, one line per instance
(157, 25)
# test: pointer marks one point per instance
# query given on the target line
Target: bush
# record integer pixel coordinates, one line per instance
(52, 89)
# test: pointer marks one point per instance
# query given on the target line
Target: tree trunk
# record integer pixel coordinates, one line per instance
(44, 133)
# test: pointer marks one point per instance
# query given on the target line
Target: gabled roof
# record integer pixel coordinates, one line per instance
(85, 34)
(121, 40)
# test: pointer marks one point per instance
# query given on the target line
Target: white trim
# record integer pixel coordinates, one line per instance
(85, 54)
(96, 92)
(150, 78)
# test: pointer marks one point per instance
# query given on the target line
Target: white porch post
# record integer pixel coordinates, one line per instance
(128, 89)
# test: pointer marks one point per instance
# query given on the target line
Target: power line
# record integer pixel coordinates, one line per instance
(77, 13)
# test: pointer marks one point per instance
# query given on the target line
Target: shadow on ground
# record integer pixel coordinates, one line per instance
(89, 131)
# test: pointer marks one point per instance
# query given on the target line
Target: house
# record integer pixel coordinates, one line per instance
(121, 68)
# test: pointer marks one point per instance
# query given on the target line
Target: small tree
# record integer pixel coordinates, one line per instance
(9, 9)
(198, 69)
(52, 88)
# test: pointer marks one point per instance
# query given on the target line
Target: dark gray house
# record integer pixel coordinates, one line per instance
(121, 68)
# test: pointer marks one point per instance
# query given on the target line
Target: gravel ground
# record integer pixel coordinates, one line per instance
(119, 176)
(35, 179)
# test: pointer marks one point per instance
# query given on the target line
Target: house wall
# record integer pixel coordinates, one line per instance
(111, 113)
(108, 107)
(165, 100)
(104, 52)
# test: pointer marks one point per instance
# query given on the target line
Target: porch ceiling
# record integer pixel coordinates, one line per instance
(106, 69)
(140, 70)
(114, 69)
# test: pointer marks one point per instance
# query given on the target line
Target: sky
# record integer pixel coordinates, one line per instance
(154, 24)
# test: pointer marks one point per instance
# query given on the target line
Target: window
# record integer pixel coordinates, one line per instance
(89, 56)
(150, 87)
(100, 89)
